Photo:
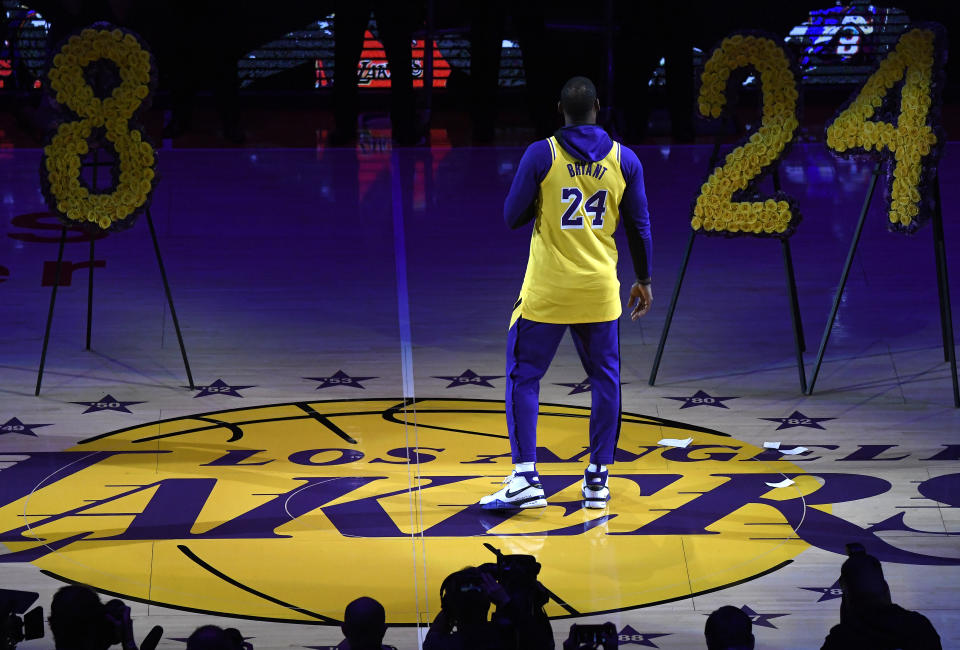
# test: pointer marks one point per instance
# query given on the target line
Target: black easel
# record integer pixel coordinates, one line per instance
(798, 338)
(56, 282)
(943, 287)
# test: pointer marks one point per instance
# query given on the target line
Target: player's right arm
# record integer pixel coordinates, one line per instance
(520, 206)
(636, 221)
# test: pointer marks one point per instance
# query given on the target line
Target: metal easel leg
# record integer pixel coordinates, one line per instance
(794, 312)
(943, 286)
(90, 293)
(53, 300)
(166, 288)
(788, 259)
(843, 277)
(672, 308)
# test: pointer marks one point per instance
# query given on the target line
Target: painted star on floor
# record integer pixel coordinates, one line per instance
(340, 378)
(582, 386)
(14, 425)
(469, 378)
(107, 403)
(798, 419)
(629, 635)
(761, 620)
(702, 398)
(219, 387)
(827, 593)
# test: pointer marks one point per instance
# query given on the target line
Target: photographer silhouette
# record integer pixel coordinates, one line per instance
(519, 620)
(521, 614)
(462, 623)
(79, 621)
(868, 616)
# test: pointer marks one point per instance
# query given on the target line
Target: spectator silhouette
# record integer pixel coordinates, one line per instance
(210, 637)
(364, 624)
(729, 628)
(868, 617)
(77, 619)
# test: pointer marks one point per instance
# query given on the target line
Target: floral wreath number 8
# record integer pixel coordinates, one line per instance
(715, 211)
(103, 120)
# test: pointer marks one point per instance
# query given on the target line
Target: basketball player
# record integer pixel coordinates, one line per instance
(575, 186)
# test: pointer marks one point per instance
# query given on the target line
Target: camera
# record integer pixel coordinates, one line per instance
(519, 570)
(463, 596)
(592, 637)
(462, 585)
(17, 626)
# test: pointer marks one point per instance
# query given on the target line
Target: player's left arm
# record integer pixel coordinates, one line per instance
(636, 221)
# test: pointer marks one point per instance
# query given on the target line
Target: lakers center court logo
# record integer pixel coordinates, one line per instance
(287, 512)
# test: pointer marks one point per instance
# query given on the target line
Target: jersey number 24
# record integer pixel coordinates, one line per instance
(596, 206)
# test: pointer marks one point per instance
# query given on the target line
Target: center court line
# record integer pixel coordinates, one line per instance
(409, 393)
(403, 294)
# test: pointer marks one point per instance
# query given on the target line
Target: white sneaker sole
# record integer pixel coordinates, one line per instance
(497, 504)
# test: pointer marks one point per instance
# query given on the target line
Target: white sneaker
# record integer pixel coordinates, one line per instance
(520, 490)
(594, 489)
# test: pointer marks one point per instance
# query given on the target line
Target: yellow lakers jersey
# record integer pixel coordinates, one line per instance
(572, 269)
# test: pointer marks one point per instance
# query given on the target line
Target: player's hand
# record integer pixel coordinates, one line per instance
(642, 295)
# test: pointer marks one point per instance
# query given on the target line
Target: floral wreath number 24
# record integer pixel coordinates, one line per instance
(100, 79)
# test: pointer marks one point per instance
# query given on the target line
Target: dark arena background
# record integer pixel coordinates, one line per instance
(255, 293)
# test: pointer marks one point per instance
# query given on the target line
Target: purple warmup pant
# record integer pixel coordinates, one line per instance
(530, 349)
